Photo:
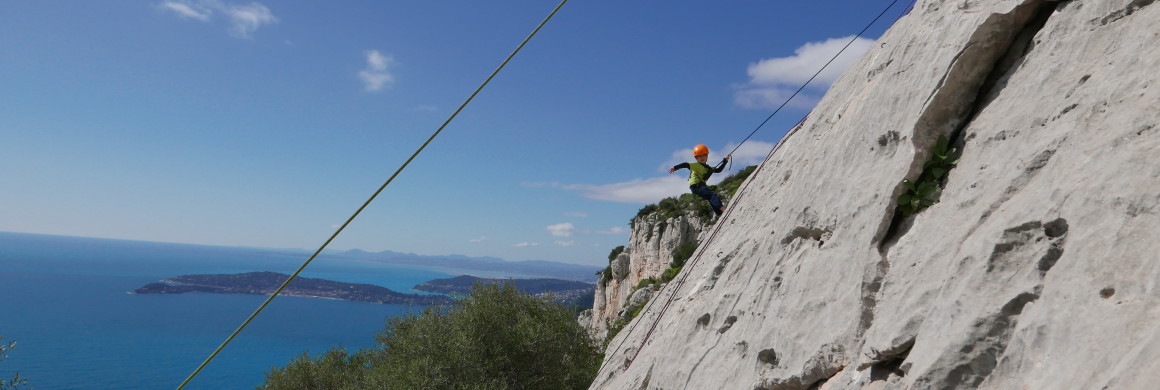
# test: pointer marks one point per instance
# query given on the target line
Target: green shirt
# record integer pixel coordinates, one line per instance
(699, 173)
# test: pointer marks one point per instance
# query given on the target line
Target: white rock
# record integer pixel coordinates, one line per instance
(1037, 269)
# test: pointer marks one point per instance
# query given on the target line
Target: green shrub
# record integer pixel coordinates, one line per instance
(689, 203)
(16, 381)
(497, 338)
(730, 185)
(670, 274)
(605, 275)
(683, 252)
(615, 252)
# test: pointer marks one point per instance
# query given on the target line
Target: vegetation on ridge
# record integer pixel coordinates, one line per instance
(686, 203)
(497, 338)
(681, 205)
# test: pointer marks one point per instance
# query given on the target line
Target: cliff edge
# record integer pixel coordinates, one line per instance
(1034, 267)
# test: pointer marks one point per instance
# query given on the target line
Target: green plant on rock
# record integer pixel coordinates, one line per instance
(615, 252)
(683, 252)
(606, 273)
(925, 191)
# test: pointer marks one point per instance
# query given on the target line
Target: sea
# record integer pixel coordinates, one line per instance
(65, 301)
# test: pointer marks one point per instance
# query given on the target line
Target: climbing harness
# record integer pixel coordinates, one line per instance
(372, 198)
(676, 287)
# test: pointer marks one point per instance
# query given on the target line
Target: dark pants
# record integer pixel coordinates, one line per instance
(705, 193)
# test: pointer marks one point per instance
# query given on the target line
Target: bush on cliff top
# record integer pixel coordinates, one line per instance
(673, 206)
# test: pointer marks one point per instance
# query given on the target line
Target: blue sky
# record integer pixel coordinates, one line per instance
(268, 123)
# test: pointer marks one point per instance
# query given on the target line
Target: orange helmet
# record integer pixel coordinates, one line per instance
(700, 150)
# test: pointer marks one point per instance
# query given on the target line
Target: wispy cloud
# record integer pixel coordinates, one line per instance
(243, 19)
(642, 191)
(576, 214)
(614, 230)
(526, 244)
(477, 240)
(566, 243)
(376, 76)
(652, 190)
(752, 152)
(187, 10)
(562, 229)
(773, 80)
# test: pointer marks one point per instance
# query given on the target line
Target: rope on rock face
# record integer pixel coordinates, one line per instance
(741, 191)
(372, 198)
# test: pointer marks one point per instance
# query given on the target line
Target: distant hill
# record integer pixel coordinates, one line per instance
(265, 283)
(539, 268)
(565, 291)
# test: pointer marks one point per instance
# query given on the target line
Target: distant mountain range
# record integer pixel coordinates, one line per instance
(494, 265)
(529, 268)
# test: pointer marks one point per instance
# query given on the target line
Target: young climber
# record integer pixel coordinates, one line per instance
(699, 173)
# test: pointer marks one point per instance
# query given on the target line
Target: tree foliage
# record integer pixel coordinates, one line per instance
(496, 338)
(16, 381)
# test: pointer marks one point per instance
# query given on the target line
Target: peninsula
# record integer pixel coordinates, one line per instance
(264, 283)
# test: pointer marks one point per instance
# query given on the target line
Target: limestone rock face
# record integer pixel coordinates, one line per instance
(648, 254)
(1037, 269)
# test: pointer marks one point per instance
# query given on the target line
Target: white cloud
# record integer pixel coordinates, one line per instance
(526, 244)
(614, 230)
(771, 97)
(566, 243)
(477, 240)
(773, 80)
(652, 190)
(641, 191)
(187, 10)
(576, 214)
(752, 152)
(376, 77)
(562, 229)
(243, 19)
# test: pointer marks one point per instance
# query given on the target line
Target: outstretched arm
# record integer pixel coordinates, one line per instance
(683, 165)
(721, 166)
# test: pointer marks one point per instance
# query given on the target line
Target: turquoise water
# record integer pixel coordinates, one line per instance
(64, 301)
